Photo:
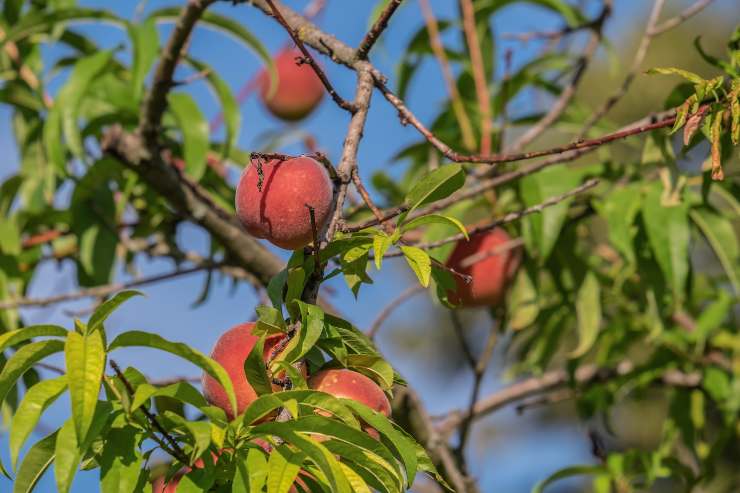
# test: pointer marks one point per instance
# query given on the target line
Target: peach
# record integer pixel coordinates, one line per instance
(231, 350)
(298, 90)
(350, 384)
(491, 272)
(273, 206)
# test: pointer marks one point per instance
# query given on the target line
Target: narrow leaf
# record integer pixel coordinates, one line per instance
(85, 360)
(588, 313)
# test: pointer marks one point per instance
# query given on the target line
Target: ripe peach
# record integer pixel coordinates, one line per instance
(298, 89)
(231, 350)
(273, 206)
(491, 271)
(350, 384)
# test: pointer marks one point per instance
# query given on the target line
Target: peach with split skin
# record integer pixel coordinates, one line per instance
(490, 264)
(273, 199)
(297, 91)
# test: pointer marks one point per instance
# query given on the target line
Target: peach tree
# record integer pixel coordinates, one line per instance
(584, 252)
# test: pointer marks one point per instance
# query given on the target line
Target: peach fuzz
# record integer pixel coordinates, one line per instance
(350, 384)
(231, 350)
(298, 90)
(491, 273)
(274, 208)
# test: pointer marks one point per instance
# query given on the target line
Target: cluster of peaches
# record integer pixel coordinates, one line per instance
(273, 199)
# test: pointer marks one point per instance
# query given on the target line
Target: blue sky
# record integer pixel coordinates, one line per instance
(510, 466)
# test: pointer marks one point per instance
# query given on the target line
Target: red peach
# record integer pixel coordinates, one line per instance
(298, 90)
(491, 272)
(231, 350)
(350, 384)
(274, 207)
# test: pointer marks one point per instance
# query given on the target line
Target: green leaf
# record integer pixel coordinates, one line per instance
(103, 312)
(435, 219)
(690, 76)
(63, 117)
(619, 208)
(523, 306)
(38, 22)
(199, 432)
(588, 314)
(195, 133)
(10, 236)
(720, 234)
(420, 263)
(381, 244)
(254, 369)
(121, 461)
(23, 359)
(180, 391)
(315, 451)
(571, 15)
(566, 473)
(34, 403)
(438, 184)
(282, 469)
(668, 233)
(143, 339)
(34, 464)
(229, 105)
(67, 456)
(312, 325)
(403, 445)
(145, 44)
(270, 320)
(541, 231)
(69, 450)
(227, 25)
(17, 336)
(374, 367)
(251, 472)
(85, 359)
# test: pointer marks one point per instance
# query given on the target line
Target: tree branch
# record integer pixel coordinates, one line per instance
(156, 100)
(379, 26)
(567, 94)
(397, 301)
(680, 18)
(307, 58)
(554, 380)
(636, 63)
(479, 74)
(101, 291)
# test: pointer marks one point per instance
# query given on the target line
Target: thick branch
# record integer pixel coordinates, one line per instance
(156, 101)
(192, 202)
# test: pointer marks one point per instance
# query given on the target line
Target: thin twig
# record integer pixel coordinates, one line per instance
(497, 250)
(308, 58)
(366, 196)
(680, 18)
(496, 181)
(466, 128)
(567, 94)
(379, 26)
(99, 291)
(631, 74)
(554, 380)
(478, 366)
(156, 100)
(348, 161)
(397, 301)
(175, 450)
(510, 217)
(479, 74)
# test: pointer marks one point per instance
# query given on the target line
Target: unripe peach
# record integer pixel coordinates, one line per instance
(273, 206)
(298, 90)
(231, 350)
(350, 384)
(491, 271)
